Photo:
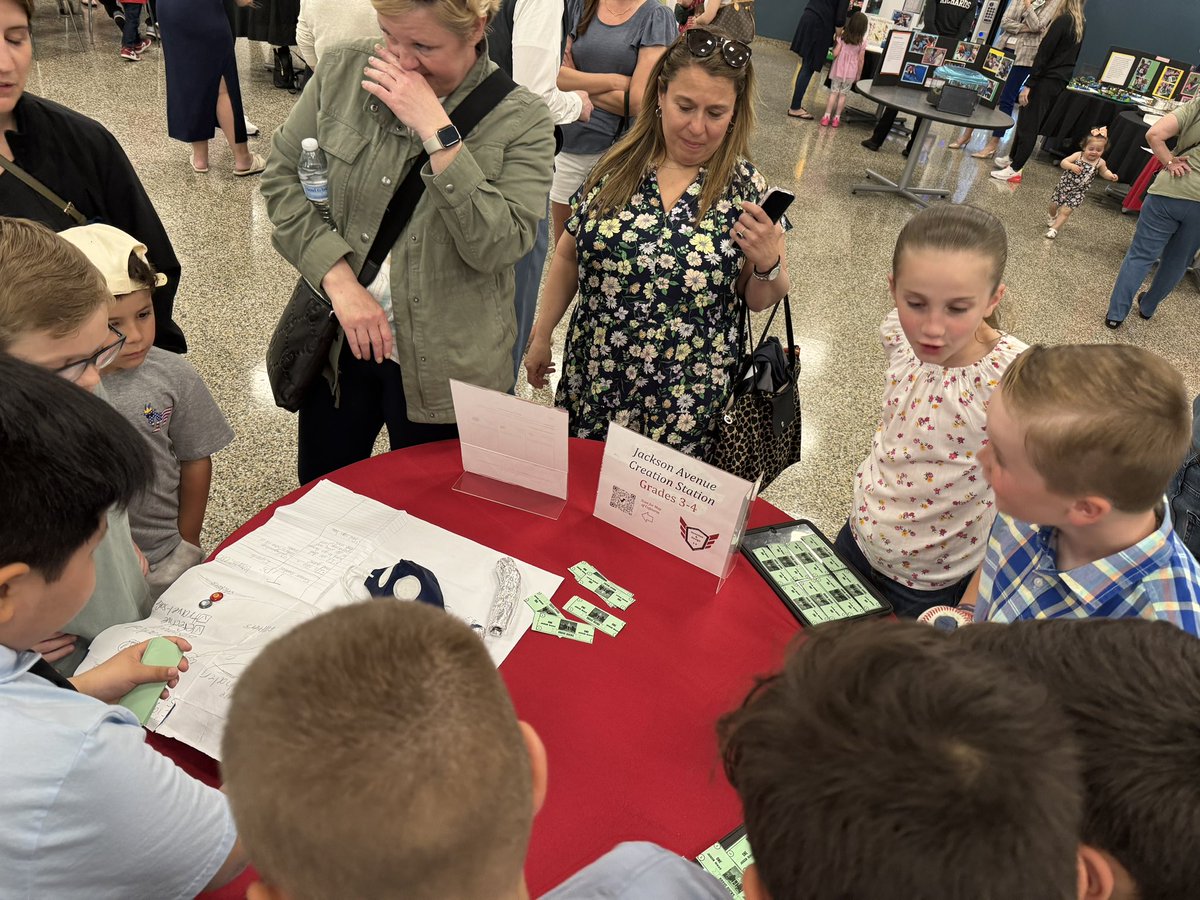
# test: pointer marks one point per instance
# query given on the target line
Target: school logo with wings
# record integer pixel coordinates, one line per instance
(694, 537)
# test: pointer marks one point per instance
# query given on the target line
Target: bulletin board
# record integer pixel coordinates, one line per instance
(910, 58)
(1148, 74)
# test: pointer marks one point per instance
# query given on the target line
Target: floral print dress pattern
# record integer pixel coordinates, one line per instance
(652, 341)
(922, 508)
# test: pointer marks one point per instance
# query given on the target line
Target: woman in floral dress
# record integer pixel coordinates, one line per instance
(665, 235)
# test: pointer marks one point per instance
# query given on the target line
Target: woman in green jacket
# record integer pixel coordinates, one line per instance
(441, 306)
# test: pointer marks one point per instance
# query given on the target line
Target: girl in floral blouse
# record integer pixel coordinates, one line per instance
(665, 235)
(922, 509)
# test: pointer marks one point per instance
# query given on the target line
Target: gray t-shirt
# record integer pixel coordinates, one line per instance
(614, 49)
(165, 399)
(639, 869)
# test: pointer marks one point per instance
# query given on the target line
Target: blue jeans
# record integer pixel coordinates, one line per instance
(1012, 90)
(1168, 228)
(528, 272)
(907, 602)
(133, 18)
(1184, 492)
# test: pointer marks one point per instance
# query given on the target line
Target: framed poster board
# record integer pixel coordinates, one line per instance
(910, 58)
(1148, 74)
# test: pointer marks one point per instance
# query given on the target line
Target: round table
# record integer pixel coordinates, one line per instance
(628, 723)
(1073, 115)
(1126, 154)
(913, 101)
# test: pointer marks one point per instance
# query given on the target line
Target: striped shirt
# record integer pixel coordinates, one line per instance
(1156, 578)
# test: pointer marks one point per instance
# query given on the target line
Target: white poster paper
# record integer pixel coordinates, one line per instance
(289, 571)
(893, 53)
(690, 509)
(1117, 69)
(511, 440)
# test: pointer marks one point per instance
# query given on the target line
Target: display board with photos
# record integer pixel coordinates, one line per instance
(910, 58)
(1150, 75)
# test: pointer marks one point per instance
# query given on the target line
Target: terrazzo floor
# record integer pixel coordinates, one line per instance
(234, 283)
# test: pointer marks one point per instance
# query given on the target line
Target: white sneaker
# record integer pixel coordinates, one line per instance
(1007, 174)
(1002, 162)
(251, 128)
(1052, 233)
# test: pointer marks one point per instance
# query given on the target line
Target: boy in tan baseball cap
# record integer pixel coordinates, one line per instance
(165, 399)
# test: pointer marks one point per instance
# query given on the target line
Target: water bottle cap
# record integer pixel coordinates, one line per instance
(309, 145)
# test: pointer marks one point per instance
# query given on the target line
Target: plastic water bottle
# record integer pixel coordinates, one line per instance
(314, 176)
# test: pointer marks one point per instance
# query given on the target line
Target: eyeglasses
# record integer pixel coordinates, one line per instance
(703, 44)
(73, 371)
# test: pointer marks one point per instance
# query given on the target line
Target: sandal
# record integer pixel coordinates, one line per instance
(196, 168)
(803, 114)
(257, 164)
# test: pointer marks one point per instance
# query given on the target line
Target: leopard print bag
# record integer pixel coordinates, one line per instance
(758, 430)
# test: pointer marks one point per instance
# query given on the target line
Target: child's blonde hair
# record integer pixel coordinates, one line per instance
(957, 228)
(374, 751)
(46, 284)
(1101, 419)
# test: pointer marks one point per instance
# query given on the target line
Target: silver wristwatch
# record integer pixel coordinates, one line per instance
(771, 274)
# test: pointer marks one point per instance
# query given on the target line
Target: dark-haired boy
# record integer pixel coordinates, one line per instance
(86, 808)
(1131, 692)
(884, 761)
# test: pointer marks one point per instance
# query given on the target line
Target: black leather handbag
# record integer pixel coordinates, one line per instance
(758, 431)
(299, 347)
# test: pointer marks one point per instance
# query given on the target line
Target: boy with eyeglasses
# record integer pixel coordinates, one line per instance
(54, 314)
(162, 395)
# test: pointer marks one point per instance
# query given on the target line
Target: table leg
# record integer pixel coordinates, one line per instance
(904, 186)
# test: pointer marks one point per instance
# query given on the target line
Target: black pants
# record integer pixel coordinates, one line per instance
(1029, 122)
(372, 396)
(907, 602)
(884, 127)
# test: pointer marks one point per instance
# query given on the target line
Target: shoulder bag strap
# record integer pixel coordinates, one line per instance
(791, 351)
(465, 117)
(65, 206)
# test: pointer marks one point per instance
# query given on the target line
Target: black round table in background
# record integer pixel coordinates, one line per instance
(1073, 115)
(1126, 154)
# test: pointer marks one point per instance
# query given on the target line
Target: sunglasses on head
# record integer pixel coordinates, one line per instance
(703, 44)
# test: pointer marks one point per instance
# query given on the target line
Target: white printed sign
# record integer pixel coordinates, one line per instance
(692, 510)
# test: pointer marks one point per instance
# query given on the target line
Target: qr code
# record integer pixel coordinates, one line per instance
(622, 500)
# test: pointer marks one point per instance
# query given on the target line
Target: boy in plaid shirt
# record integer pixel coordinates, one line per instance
(1083, 440)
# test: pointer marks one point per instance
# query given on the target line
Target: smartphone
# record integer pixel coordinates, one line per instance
(776, 203)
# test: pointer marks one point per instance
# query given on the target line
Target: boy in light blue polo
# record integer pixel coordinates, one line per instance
(87, 809)
(1082, 443)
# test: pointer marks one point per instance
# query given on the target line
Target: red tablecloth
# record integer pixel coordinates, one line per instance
(628, 723)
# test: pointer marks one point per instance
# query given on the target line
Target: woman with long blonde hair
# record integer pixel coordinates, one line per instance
(1052, 69)
(666, 235)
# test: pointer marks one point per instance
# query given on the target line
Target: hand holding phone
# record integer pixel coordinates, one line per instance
(776, 203)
